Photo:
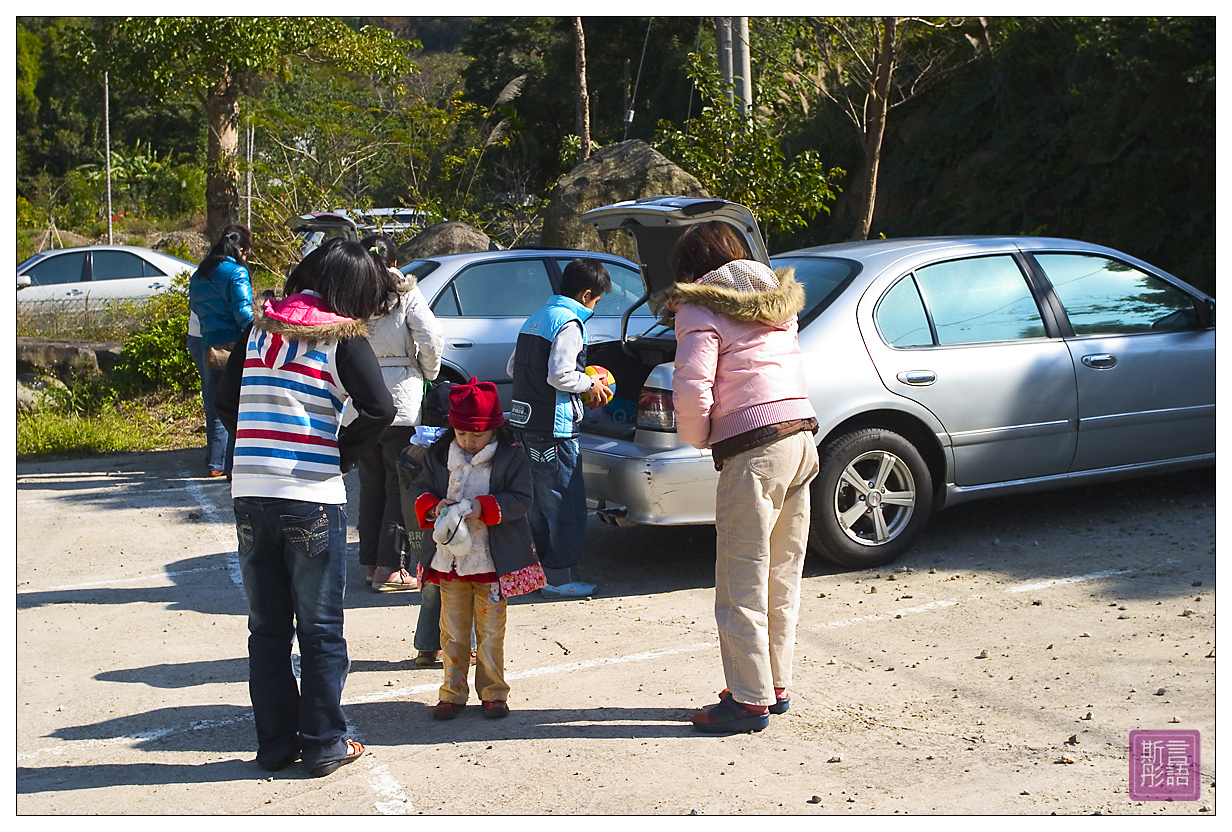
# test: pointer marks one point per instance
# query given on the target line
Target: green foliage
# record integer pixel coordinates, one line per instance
(741, 158)
(155, 356)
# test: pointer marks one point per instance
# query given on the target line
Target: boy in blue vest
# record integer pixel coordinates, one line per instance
(550, 385)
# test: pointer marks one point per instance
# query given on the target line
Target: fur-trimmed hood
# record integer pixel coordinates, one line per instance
(304, 317)
(724, 292)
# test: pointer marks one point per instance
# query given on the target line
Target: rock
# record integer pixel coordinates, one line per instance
(444, 238)
(815, 799)
(34, 392)
(66, 357)
(983, 654)
(628, 170)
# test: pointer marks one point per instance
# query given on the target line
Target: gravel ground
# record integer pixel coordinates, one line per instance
(997, 669)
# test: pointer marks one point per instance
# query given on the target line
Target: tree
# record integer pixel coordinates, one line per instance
(868, 66)
(583, 105)
(216, 57)
(742, 159)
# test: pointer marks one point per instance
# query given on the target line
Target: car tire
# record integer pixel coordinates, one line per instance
(855, 467)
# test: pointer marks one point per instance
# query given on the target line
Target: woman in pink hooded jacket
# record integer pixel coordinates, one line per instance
(739, 390)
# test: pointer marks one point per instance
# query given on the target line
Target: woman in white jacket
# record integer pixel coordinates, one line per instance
(407, 342)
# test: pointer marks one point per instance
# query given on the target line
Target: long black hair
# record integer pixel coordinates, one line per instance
(236, 239)
(344, 274)
(385, 254)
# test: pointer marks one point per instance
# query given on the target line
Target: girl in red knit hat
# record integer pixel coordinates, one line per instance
(473, 493)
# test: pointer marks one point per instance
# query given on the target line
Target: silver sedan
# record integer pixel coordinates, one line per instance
(941, 370)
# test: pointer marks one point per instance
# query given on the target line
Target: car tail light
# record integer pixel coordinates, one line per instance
(654, 410)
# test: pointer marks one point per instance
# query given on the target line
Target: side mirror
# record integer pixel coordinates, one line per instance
(23, 280)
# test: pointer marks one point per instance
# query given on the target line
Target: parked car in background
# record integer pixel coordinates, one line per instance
(91, 273)
(941, 370)
(481, 300)
(317, 227)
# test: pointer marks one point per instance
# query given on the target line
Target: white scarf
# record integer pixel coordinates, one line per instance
(469, 477)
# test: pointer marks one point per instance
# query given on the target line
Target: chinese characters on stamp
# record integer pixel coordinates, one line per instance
(1164, 765)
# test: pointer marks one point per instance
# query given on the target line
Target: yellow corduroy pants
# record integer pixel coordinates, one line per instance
(466, 605)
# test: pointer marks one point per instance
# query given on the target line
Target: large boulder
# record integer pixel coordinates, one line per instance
(66, 357)
(444, 238)
(629, 170)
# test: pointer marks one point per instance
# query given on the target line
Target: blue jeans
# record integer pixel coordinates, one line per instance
(293, 559)
(428, 630)
(219, 445)
(558, 514)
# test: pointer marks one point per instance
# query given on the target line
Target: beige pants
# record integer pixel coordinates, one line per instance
(762, 520)
(465, 605)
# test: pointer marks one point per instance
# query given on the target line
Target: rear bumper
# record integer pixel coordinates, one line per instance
(655, 486)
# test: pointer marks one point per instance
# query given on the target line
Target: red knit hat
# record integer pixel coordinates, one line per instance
(475, 406)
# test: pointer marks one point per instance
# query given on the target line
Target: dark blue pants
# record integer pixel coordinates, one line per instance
(558, 514)
(220, 445)
(293, 559)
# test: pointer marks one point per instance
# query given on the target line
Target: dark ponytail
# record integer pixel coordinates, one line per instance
(235, 240)
(385, 254)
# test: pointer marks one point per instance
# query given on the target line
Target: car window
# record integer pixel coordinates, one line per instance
(822, 278)
(1107, 297)
(979, 299)
(499, 289)
(58, 268)
(900, 316)
(116, 265)
(627, 289)
(421, 268)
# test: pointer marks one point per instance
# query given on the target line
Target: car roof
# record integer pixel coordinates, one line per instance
(876, 255)
(465, 257)
(103, 247)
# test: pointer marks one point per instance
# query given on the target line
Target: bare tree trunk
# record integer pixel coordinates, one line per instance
(583, 109)
(222, 199)
(876, 128)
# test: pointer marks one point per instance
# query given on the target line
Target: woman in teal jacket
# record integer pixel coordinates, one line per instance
(220, 293)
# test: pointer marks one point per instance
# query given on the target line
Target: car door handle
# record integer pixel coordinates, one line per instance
(917, 378)
(1101, 361)
(460, 344)
(74, 292)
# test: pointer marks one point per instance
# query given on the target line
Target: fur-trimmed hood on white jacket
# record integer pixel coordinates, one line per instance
(408, 344)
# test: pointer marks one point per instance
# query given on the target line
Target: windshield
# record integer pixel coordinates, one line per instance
(823, 278)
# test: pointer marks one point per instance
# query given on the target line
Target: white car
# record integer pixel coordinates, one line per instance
(91, 273)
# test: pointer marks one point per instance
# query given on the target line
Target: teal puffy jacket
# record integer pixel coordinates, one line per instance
(222, 301)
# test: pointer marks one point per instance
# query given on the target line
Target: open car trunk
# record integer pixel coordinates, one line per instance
(655, 224)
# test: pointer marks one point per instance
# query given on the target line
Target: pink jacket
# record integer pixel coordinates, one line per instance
(738, 363)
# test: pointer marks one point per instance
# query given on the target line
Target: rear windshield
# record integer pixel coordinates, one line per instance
(823, 278)
(420, 268)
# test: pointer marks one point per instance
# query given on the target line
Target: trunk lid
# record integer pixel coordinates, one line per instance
(656, 223)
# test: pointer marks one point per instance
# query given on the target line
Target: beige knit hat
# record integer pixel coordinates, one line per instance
(743, 276)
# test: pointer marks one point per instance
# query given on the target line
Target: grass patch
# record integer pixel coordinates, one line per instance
(152, 422)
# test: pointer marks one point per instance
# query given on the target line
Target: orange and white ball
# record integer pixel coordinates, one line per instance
(606, 376)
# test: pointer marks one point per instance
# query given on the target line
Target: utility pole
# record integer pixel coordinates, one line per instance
(248, 173)
(107, 148)
(723, 43)
(742, 69)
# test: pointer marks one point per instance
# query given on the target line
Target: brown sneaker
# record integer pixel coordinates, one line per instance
(446, 710)
(495, 708)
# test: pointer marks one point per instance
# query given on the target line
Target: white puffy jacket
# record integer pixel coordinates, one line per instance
(408, 343)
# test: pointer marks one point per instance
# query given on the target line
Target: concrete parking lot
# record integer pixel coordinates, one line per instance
(997, 669)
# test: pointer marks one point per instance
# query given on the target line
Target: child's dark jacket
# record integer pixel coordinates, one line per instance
(504, 510)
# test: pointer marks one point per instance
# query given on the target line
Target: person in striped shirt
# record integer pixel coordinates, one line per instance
(282, 396)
